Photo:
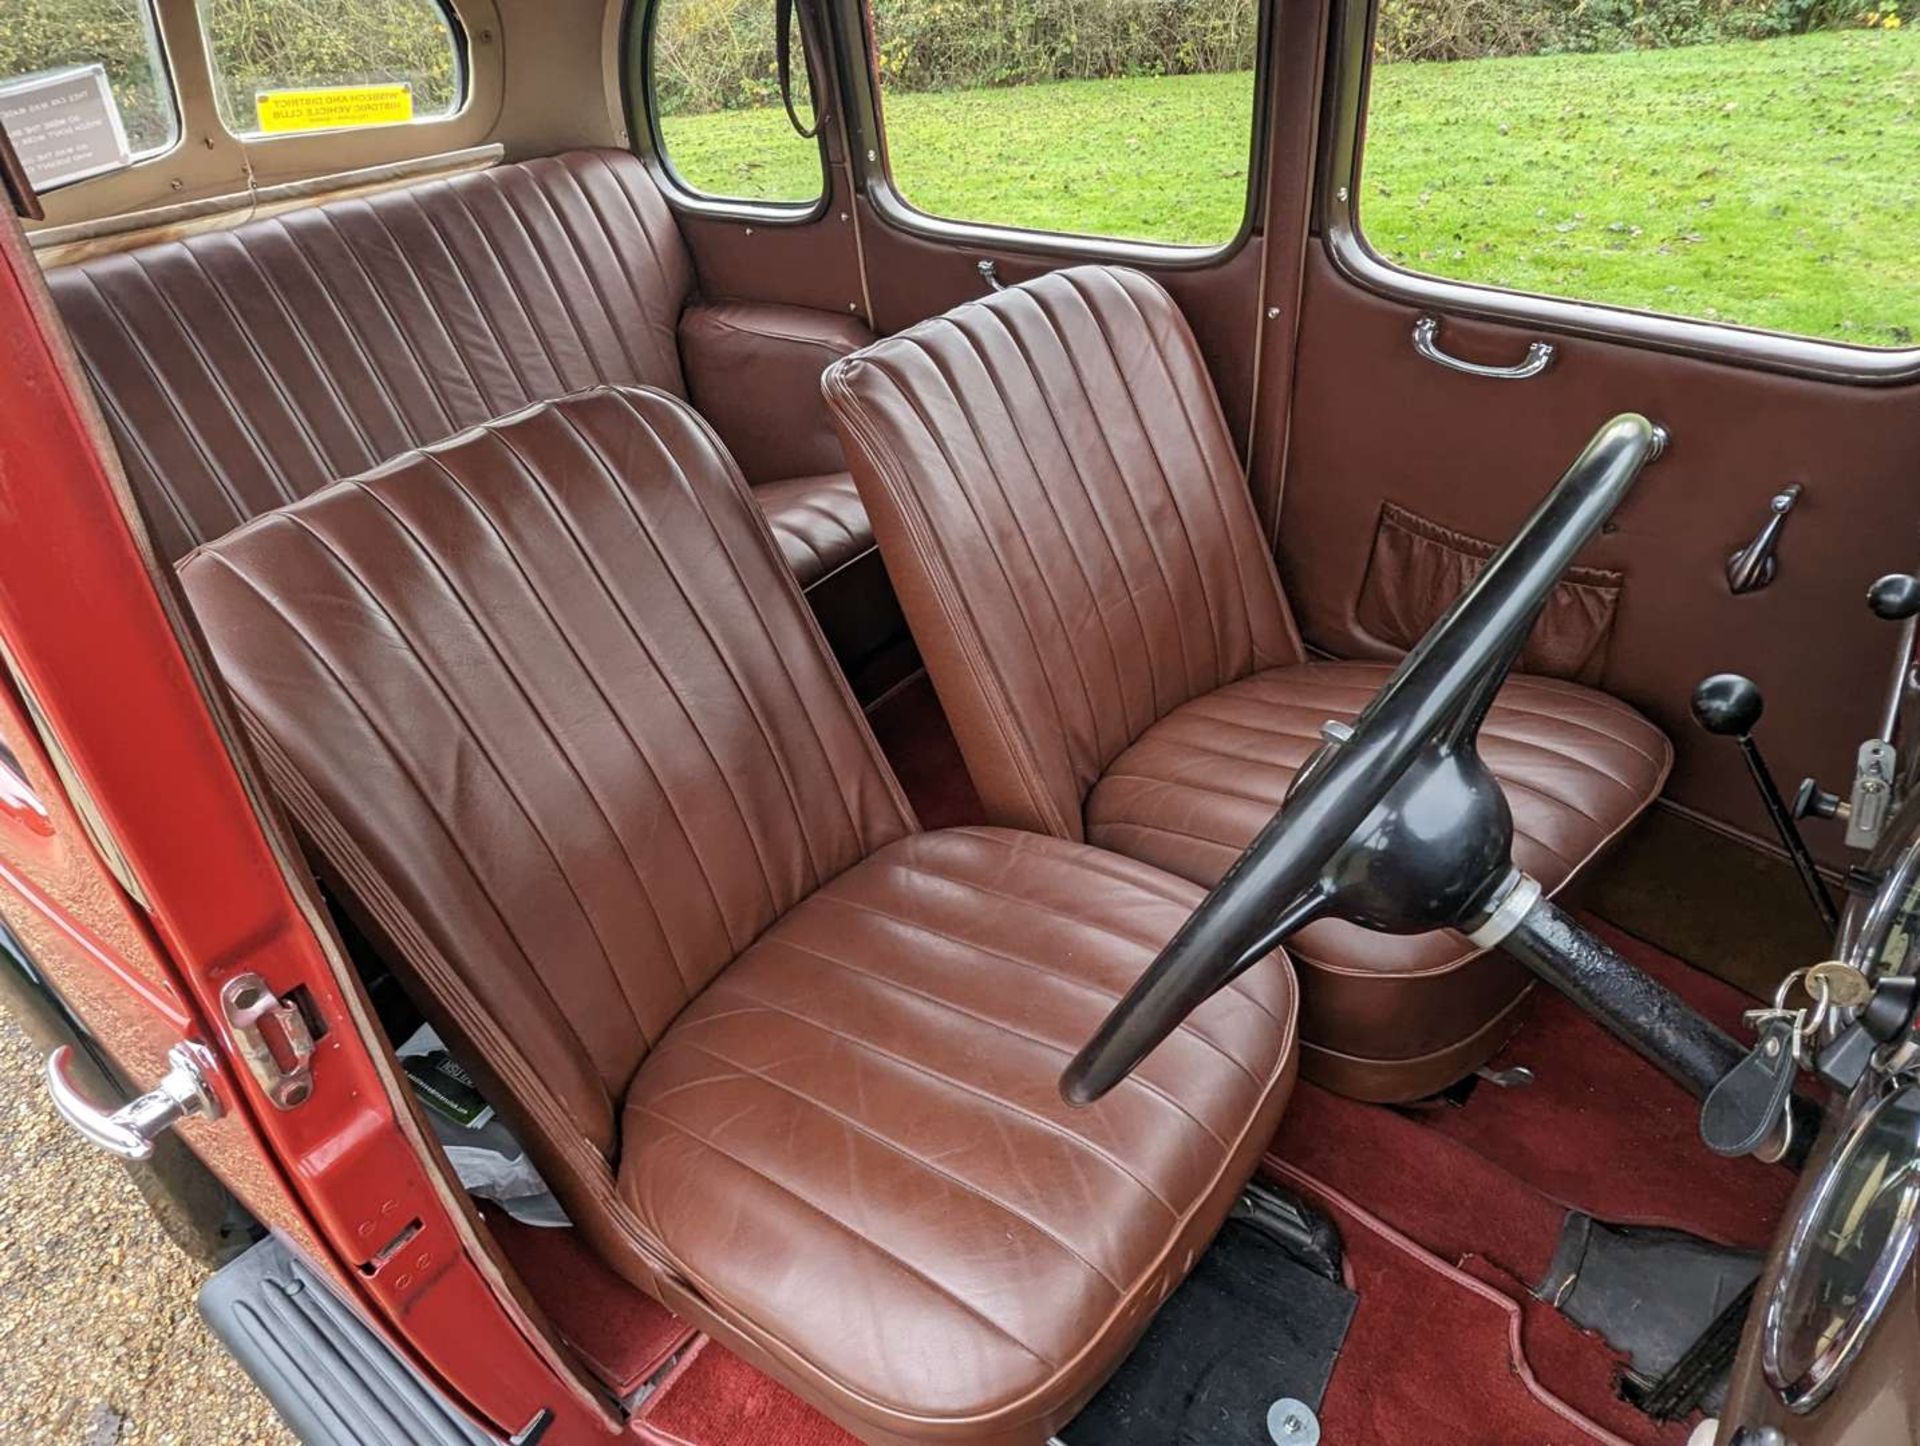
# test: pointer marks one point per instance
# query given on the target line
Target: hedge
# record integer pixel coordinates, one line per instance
(258, 43)
(719, 54)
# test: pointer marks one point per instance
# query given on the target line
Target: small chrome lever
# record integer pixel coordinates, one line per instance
(989, 270)
(1753, 566)
(1426, 341)
(129, 1132)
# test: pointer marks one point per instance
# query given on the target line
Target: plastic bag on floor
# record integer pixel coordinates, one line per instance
(485, 1153)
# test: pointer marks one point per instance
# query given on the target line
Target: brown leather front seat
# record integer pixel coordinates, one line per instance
(1059, 503)
(554, 713)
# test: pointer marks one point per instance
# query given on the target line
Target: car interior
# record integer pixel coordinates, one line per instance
(1042, 837)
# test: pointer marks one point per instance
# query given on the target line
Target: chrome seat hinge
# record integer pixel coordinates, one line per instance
(273, 1039)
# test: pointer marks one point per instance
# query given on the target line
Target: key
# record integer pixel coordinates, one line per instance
(1846, 987)
(1743, 1110)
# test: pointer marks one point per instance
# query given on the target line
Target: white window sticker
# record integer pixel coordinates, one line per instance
(65, 126)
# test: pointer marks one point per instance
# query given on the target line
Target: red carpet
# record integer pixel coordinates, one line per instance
(1603, 1131)
(1455, 1202)
(1484, 1187)
(1433, 1354)
(623, 1335)
(713, 1398)
(1578, 1366)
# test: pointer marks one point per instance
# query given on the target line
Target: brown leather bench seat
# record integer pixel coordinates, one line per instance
(244, 368)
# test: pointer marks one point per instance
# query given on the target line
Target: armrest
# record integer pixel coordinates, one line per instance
(753, 371)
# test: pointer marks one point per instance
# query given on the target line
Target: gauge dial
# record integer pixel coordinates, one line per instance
(1849, 1250)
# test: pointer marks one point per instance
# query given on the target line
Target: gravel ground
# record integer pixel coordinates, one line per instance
(99, 1341)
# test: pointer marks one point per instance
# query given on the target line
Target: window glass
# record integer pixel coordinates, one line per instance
(1745, 161)
(83, 88)
(716, 97)
(1121, 118)
(298, 65)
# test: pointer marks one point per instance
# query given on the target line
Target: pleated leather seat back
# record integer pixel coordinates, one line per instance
(1050, 477)
(549, 703)
(241, 369)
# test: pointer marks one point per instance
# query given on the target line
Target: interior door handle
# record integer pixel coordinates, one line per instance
(1426, 341)
(1753, 566)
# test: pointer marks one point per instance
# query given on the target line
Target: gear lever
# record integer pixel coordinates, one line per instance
(1729, 706)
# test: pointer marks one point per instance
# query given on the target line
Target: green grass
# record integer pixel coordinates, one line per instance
(1772, 183)
(1151, 159)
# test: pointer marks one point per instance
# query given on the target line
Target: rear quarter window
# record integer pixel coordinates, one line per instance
(42, 41)
(298, 65)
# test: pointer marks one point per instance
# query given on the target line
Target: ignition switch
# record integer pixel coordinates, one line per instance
(1886, 1017)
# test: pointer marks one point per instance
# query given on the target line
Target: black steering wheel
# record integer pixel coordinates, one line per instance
(1395, 824)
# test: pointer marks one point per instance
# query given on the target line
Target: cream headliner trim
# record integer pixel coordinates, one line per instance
(62, 245)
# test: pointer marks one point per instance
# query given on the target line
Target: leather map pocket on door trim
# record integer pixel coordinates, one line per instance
(1418, 568)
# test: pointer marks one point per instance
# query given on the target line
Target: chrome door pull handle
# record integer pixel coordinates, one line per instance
(1753, 566)
(1426, 341)
(129, 1132)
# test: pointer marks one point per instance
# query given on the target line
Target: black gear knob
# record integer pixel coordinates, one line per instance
(1728, 704)
(1895, 597)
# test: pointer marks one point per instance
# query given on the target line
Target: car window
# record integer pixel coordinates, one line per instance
(722, 124)
(1749, 161)
(1130, 119)
(83, 87)
(293, 65)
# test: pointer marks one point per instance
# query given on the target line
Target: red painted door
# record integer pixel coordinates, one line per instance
(137, 868)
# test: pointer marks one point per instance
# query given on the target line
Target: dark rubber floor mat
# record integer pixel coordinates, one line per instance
(1249, 1326)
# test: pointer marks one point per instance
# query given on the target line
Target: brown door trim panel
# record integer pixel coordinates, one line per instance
(1376, 424)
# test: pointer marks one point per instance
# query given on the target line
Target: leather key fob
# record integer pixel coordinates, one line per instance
(1743, 1108)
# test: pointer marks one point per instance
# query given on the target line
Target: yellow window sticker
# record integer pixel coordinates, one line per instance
(333, 107)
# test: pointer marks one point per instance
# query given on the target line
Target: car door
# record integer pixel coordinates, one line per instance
(153, 920)
(1614, 217)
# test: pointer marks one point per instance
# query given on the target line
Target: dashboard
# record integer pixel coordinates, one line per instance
(1831, 1352)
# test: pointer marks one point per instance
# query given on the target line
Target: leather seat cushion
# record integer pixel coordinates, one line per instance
(1577, 765)
(819, 523)
(854, 1138)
